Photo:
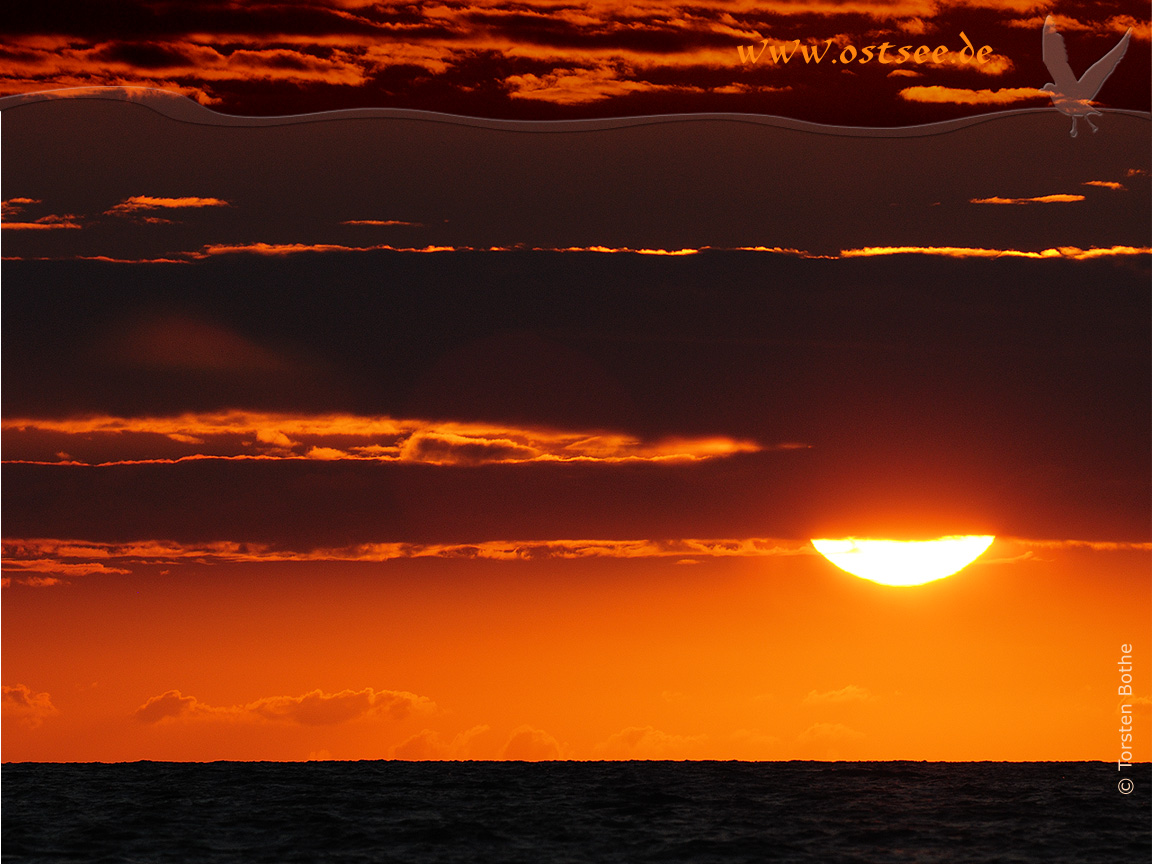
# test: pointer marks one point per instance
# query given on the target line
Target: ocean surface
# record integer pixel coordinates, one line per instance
(576, 812)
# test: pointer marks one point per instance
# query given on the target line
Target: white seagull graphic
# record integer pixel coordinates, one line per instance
(1071, 97)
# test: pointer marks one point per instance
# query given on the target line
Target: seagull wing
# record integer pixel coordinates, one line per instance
(1056, 58)
(1094, 78)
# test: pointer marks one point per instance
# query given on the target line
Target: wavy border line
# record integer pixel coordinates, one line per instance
(176, 106)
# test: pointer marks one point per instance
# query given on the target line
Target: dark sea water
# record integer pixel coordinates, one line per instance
(576, 812)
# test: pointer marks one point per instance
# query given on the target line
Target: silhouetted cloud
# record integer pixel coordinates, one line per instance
(316, 708)
(1068, 252)
(74, 558)
(429, 744)
(849, 693)
(25, 705)
(647, 742)
(529, 744)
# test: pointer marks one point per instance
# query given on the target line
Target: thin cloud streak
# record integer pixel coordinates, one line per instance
(381, 222)
(45, 223)
(251, 435)
(1042, 199)
(1074, 253)
(13, 208)
(286, 249)
(70, 558)
(962, 96)
(283, 249)
(137, 203)
(75, 558)
(22, 703)
(316, 708)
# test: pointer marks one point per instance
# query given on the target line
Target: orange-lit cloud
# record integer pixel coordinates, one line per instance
(428, 744)
(961, 96)
(12, 208)
(187, 66)
(316, 708)
(141, 89)
(286, 249)
(381, 222)
(69, 558)
(25, 705)
(850, 693)
(1093, 545)
(529, 744)
(1070, 252)
(572, 86)
(58, 568)
(72, 558)
(1043, 199)
(106, 258)
(271, 249)
(1141, 28)
(537, 52)
(647, 742)
(138, 203)
(137, 207)
(44, 223)
(246, 435)
(283, 249)
(1106, 184)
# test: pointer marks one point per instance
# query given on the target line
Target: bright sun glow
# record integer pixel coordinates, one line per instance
(904, 562)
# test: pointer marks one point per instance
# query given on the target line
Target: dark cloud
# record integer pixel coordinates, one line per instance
(855, 485)
(692, 183)
(529, 744)
(445, 450)
(1004, 393)
(168, 705)
(460, 58)
(156, 20)
(25, 705)
(145, 55)
(312, 709)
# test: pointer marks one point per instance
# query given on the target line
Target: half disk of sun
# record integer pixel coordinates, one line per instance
(904, 562)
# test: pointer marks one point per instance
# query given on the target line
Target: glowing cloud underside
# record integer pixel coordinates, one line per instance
(904, 562)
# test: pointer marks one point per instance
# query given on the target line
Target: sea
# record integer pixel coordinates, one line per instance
(385, 811)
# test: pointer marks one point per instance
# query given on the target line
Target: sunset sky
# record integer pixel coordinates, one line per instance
(546, 59)
(392, 435)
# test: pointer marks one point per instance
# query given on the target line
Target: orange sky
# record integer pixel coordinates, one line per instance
(701, 656)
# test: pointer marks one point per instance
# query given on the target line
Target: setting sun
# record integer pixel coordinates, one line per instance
(904, 562)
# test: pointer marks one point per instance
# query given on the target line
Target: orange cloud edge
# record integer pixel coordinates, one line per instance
(327, 437)
(43, 562)
(1071, 253)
